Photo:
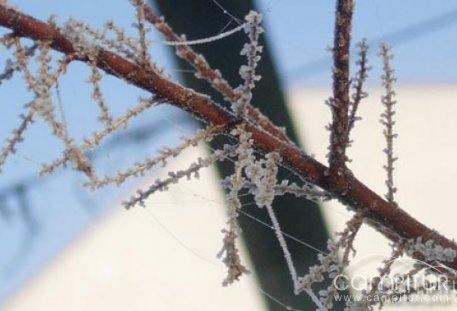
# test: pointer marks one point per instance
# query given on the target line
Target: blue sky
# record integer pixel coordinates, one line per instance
(422, 34)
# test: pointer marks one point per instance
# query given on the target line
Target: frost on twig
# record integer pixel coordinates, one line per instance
(42, 105)
(10, 65)
(121, 43)
(212, 76)
(377, 292)
(411, 282)
(204, 70)
(174, 177)
(98, 137)
(358, 83)
(306, 191)
(229, 252)
(264, 198)
(144, 58)
(339, 103)
(95, 77)
(430, 250)
(16, 137)
(81, 162)
(220, 36)
(87, 41)
(248, 72)
(260, 177)
(140, 168)
(387, 119)
(330, 264)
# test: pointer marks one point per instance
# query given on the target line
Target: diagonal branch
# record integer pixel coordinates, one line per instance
(385, 216)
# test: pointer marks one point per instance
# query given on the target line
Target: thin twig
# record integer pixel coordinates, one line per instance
(387, 120)
(359, 81)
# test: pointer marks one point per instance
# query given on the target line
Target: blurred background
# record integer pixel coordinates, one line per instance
(65, 247)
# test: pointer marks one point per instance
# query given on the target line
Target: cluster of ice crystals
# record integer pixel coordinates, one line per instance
(247, 72)
(431, 250)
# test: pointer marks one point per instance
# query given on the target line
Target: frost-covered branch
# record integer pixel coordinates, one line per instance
(262, 147)
(340, 102)
(248, 72)
(213, 76)
(358, 196)
(387, 120)
(358, 84)
(139, 168)
(174, 177)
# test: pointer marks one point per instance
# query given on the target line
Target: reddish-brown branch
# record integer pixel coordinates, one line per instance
(358, 195)
(339, 104)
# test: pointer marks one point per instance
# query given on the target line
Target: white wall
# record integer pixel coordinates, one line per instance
(163, 257)
(425, 171)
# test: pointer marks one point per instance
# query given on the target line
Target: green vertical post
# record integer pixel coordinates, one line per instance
(300, 218)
